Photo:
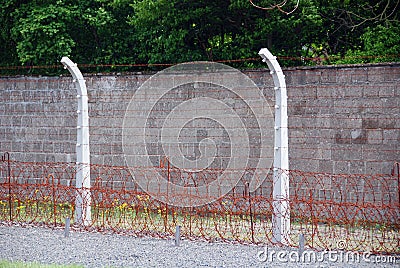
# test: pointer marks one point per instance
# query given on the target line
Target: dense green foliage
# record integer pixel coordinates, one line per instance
(123, 32)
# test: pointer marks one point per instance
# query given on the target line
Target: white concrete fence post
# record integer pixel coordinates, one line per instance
(83, 196)
(281, 213)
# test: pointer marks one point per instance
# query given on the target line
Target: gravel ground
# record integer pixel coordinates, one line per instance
(45, 245)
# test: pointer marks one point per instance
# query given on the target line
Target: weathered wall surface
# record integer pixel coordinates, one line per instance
(341, 119)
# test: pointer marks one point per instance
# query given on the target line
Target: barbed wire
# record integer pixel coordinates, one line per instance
(316, 60)
(362, 210)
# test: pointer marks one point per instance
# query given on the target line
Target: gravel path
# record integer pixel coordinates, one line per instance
(46, 245)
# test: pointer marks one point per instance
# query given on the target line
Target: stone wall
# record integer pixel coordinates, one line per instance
(342, 119)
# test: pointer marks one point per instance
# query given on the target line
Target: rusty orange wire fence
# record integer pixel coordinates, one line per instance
(361, 211)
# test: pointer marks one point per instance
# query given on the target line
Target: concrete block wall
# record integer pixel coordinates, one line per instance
(38, 118)
(342, 120)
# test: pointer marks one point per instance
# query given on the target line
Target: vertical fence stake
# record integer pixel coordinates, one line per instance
(281, 209)
(83, 196)
(4, 158)
(166, 202)
(311, 218)
(250, 211)
(67, 225)
(397, 164)
(301, 244)
(53, 195)
(178, 236)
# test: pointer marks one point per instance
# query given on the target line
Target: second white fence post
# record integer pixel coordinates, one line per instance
(281, 209)
(83, 196)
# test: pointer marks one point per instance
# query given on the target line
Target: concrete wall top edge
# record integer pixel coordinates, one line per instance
(149, 73)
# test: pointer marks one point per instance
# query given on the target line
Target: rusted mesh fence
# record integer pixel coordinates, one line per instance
(360, 211)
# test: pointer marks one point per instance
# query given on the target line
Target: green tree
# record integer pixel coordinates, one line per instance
(379, 44)
(41, 33)
(8, 52)
(182, 30)
(90, 31)
(345, 24)
(112, 32)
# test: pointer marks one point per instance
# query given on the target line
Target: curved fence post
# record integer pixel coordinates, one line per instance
(281, 214)
(83, 197)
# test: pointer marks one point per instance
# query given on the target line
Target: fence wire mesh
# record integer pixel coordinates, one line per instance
(361, 211)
